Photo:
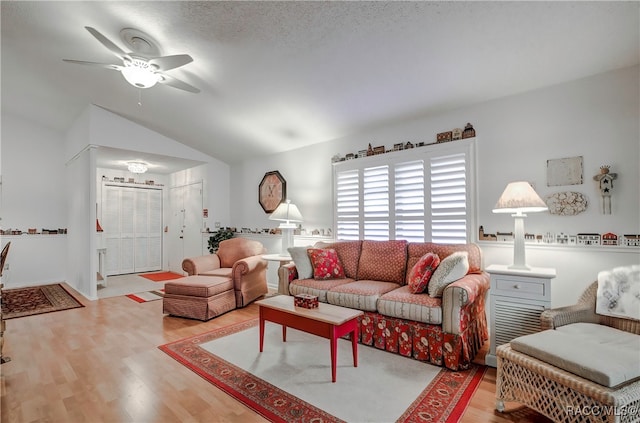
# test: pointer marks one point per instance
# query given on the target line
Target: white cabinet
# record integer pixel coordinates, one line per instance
(517, 298)
(132, 223)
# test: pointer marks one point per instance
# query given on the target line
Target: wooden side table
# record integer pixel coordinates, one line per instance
(517, 298)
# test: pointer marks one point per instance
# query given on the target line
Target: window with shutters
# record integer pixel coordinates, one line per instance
(422, 194)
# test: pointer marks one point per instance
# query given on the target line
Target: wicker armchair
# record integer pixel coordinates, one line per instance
(560, 395)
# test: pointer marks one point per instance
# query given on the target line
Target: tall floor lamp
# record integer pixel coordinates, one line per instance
(519, 198)
(289, 215)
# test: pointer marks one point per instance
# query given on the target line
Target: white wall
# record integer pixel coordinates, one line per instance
(33, 196)
(81, 241)
(47, 175)
(595, 117)
(32, 175)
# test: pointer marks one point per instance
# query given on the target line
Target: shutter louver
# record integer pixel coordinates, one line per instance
(348, 205)
(409, 201)
(376, 202)
(449, 199)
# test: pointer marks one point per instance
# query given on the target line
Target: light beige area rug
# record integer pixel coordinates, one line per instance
(291, 381)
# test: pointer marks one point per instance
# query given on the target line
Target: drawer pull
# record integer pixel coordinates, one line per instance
(516, 286)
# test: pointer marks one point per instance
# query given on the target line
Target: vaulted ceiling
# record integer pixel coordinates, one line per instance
(275, 76)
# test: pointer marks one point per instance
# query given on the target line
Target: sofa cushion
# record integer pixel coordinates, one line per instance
(316, 287)
(450, 269)
(415, 250)
(602, 354)
(602, 334)
(349, 254)
(383, 261)
(361, 294)
(421, 272)
(302, 261)
(326, 264)
(403, 304)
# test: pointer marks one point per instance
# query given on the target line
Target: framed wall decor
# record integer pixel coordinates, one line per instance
(566, 171)
(272, 190)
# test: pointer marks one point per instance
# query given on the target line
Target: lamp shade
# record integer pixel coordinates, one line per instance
(286, 212)
(519, 197)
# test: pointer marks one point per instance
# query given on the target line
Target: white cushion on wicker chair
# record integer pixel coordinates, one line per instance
(602, 354)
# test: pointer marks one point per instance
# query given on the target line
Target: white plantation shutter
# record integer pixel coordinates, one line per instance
(376, 202)
(449, 199)
(409, 201)
(347, 191)
(422, 194)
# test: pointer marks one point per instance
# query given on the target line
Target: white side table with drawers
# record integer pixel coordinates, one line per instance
(517, 298)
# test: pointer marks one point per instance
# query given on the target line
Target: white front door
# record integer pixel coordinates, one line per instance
(186, 225)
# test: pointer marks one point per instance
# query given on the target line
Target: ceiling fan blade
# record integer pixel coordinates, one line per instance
(171, 62)
(176, 83)
(102, 65)
(107, 43)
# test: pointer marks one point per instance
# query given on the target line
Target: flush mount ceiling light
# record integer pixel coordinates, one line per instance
(137, 167)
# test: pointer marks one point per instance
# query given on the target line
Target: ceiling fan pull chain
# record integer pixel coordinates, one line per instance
(139, 97)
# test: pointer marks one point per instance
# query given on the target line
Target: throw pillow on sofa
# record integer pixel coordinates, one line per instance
(450, 269)
(301, 259)
(421, 272)
(326, 264)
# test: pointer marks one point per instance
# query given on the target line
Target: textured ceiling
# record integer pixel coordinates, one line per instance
(276, 76)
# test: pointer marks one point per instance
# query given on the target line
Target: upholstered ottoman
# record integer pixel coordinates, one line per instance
(199, 297)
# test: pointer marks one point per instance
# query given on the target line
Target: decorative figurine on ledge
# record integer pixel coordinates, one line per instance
(605, 184)
(468, 132)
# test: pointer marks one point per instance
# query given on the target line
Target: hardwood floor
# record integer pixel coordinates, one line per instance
(101, 363)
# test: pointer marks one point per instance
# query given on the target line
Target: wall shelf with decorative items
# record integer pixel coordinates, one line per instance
(563, 247)
(448, 136)
(606, 240)
(32, 232)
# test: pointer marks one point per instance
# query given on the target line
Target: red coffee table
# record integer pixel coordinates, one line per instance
(327, 321)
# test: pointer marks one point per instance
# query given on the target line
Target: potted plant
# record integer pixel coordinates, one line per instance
(217, 237)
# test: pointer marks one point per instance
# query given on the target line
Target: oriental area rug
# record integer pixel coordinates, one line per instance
(160, 276)
(291, 381)
(21, 302)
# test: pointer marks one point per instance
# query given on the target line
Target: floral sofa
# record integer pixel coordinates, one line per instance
(446, 330)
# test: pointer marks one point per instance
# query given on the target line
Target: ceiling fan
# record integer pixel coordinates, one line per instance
(142, 67)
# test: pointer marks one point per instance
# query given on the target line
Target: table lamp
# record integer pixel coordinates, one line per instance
(289, 214)
(519, 198)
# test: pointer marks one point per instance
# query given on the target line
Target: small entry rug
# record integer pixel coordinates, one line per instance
(143, 297)
(161, 276)
(21, 302)
(291, 381)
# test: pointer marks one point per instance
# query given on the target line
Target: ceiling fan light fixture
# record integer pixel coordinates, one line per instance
(139, 73)
(137, 167)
